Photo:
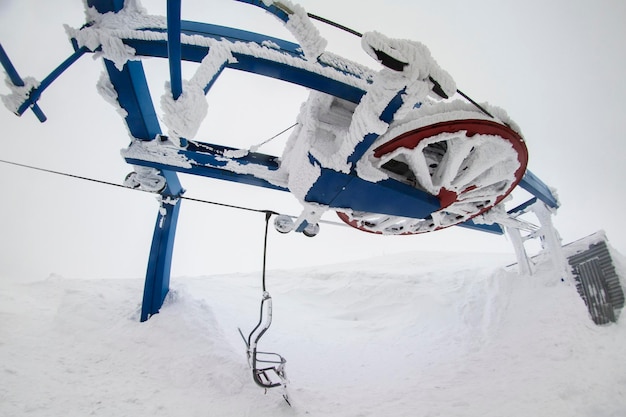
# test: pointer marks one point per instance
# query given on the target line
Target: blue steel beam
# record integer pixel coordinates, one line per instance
(46, 82)
(264, 67)
(531, 183)
(16, 80)
(276, 11)
(523, 206)
(173, 47)
(174, 52)
(253, 64)
(208, 160)
(334, 189)
(157, 282)
(218, 32)
(104, 6)
(256, 65)
(134, 97)
(394, 198)
(35, 93)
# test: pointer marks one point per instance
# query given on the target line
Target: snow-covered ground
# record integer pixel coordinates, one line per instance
(417, 334)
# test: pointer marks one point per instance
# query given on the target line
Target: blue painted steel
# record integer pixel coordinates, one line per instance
(523, 206)
(46, 82)
(104, 6)
(340, 190)
(217, 75)
(254, 64)
(394, 198)
(386, 116)
(173, 52)
(157, 281)
(280, 13)
(10, 68)
(489, 228)
(332, 187)
(538, 188)
(236, 35)
(336, 189)
(134, 97)
(15, 78)
(173, 47)
(209, 161)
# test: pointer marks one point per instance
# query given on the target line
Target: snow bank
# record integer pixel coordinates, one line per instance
(415, 334)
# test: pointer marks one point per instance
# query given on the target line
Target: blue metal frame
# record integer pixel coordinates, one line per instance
(273, 69)
(157, 281)
(173, 47)
(531, 183)
(134, 97)
(286, 62)
(35, 93)
(335, 189)
(17, 81)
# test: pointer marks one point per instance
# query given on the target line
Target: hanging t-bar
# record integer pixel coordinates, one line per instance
(268, 369)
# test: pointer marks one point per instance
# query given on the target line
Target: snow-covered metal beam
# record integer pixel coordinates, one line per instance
(269, 6)
(173, 47)
(158, 272)
(531, 183)
(123, 34)
(259, 54)
(104, 6)
(17, 81)
(522, 207)
(26, 96)
(208, 160)
(134, 97)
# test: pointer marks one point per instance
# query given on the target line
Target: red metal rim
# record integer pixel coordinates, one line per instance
(472, 127)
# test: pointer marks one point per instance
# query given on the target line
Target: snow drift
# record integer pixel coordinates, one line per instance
(423, 334)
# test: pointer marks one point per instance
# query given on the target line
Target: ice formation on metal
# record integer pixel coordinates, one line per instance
(393, 150)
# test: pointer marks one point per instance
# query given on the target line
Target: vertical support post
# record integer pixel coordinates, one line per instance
(174, 51)
(134, 96)
(159, 264)
(552, 239)
(174, 47)
(523, 263)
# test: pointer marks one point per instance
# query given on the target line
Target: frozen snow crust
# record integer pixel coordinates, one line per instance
(416, 334)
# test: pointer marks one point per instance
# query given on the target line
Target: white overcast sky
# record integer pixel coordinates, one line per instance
(557, 67)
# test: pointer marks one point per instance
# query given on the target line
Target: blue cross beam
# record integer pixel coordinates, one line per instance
(26, 92)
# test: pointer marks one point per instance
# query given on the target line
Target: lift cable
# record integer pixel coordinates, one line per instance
(267, 221)
(51, 171)
(258, 145)
(65, 174)
(360, 35)
(182, 197)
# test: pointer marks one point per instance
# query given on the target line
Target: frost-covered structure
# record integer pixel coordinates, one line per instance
(392, 148)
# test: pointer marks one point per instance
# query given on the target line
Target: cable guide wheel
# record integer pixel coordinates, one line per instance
(470, 165)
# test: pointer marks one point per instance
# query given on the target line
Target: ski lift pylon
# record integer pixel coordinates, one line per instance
(363, 152)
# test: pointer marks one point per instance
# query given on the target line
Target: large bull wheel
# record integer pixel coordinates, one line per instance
(470, 165)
